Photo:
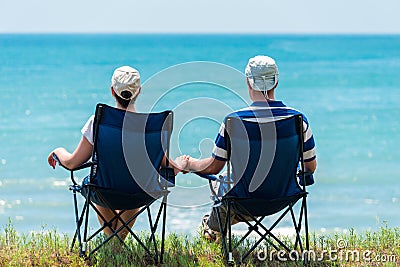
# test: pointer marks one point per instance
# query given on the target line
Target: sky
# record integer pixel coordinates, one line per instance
(201, 16)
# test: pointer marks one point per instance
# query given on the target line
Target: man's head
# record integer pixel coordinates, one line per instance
(262, 73)
(125, 83)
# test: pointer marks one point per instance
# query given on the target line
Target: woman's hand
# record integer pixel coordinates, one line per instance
(54, 156)
(182, 163)
(51, 160)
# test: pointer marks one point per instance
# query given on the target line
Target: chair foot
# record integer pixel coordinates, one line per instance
(82, 254)
(90, 261)
(231, 262)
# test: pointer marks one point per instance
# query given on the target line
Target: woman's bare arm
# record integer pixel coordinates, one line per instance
(81, 155)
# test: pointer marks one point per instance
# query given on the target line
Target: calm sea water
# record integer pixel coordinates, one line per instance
(348, 86)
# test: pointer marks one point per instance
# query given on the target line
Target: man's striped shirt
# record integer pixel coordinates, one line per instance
(265, 111)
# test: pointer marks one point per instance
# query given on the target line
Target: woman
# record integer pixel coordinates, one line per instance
(125, 88)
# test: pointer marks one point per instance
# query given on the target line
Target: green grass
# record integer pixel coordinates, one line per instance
(49, 248)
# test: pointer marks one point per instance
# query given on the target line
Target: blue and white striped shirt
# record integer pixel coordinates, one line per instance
(259, 111)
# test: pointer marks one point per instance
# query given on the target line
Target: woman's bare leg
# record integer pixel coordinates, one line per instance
(108, 214)
(126, 216)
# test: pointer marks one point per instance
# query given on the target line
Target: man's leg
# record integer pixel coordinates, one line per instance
(210, 222)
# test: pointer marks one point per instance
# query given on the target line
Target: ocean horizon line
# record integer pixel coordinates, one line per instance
(173, 33)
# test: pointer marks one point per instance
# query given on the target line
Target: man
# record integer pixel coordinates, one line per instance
(262, 79)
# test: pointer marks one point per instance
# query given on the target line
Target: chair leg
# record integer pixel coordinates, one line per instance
(262, 237)
(116, 231)
(258, 222)
(299, 224)
(107, 223)
(305, 259)
(78, 222)
(152, 235)
(164, 203)
(228, 214)
(306, 223)
(131, 232)
(86, 225)
(222, 230)
(297, 228)
(83, 220)
(303, 212)
(264, 233)
(226, 234)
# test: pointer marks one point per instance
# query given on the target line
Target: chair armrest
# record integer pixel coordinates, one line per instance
(215, 197)
(208, 176)
(83, 166)
(211, 177)
(308, 177)
(168, 174)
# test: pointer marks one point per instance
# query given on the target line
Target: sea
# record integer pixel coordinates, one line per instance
(348, 86)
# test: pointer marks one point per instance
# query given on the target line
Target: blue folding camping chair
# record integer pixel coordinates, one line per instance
(265, 160)
(125, 173)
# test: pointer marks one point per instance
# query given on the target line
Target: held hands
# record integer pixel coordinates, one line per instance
(182, 163)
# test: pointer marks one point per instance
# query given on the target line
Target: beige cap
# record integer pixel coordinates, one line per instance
(126, 78)
(262, 73)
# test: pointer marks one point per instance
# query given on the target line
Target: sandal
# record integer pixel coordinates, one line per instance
(206, 232)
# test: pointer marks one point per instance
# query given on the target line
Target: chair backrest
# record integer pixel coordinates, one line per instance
(129, 148)
(264, 157)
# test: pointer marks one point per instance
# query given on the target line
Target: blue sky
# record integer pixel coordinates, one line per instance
(202, 16)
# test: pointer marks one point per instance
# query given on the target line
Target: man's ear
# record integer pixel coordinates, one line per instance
(112, 91)
(248, 83)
